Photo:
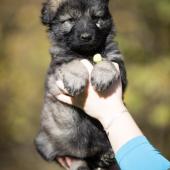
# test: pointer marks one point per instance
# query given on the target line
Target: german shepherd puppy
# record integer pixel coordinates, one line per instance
(78, 29)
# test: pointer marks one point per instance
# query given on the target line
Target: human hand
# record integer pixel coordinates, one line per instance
(105, 106)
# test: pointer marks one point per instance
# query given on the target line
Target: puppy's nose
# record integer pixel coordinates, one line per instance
(86, 36)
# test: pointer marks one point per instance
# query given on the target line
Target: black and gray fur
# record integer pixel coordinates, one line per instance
(78, 29)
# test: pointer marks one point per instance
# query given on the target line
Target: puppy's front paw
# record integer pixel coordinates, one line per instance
(75, 77)
(104, 74)
(73, 83)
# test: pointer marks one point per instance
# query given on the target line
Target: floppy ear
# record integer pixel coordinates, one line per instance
(46, 15)
(48, 10)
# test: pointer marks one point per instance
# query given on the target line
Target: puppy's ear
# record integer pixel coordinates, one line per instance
(46, 15)
(49, 10)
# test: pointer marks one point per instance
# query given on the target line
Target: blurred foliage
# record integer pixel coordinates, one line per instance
(143, 28)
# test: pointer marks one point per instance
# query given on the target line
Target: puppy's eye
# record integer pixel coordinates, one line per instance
(70, 20)
(96, 18)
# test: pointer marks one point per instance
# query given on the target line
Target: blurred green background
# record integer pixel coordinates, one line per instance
(143, 28)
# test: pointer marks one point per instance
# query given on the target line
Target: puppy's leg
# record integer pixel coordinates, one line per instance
(74, 76)
(113, 54)
(103, 75)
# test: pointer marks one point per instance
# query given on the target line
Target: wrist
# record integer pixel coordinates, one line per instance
(121, 130)
(111, 114)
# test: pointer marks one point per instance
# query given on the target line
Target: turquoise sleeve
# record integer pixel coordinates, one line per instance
(139, 154)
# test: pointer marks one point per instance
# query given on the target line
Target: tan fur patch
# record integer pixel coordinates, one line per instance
(54, 4)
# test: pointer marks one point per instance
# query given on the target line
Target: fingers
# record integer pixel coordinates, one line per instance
(117, 66)
(66, 162)
(63, 162)
(89, 66)
(69, 161)
(65, 98)
(60, 85)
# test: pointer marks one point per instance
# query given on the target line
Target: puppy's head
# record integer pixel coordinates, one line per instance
(81, 25)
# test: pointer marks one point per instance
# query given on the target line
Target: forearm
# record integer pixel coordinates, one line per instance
(132, 150)
(121, 130)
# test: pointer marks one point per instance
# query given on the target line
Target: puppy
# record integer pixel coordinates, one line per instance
(78, 29)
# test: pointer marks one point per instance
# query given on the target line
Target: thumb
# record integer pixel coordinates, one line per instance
(65, 99)
(88, 65)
